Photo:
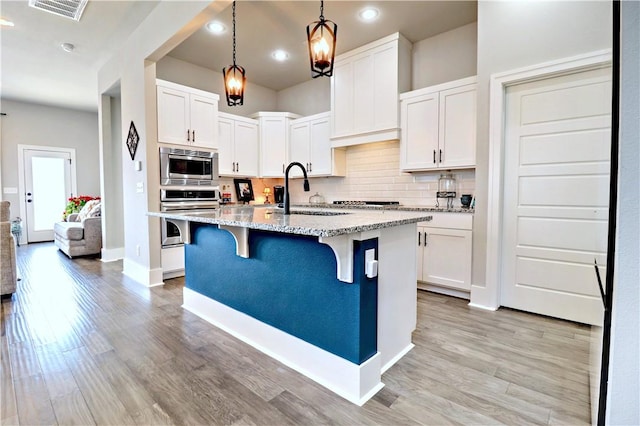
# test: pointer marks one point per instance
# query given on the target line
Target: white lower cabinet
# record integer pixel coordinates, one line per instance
(444, 252)
(172, 261)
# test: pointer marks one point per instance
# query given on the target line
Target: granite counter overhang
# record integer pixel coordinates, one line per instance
(319, 222)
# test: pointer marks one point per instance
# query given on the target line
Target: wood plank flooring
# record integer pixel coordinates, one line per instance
(83, 344)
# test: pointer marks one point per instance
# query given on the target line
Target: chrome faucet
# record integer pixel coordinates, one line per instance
(287, 208)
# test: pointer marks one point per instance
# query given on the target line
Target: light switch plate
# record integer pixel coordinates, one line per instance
(140, 187)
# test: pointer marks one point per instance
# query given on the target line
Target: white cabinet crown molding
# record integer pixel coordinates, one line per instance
(192, 90)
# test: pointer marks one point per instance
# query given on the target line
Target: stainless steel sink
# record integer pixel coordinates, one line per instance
(312, 212)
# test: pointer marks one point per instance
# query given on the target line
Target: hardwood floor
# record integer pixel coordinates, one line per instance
(83, 344)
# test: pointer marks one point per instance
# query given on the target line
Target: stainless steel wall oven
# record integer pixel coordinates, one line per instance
(188, 167)
(175, 232)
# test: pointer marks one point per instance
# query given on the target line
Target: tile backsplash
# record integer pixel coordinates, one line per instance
(373, 173)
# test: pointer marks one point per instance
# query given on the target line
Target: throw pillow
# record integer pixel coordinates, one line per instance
(85, 212)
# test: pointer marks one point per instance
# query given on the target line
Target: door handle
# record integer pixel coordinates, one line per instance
(419, 234)
(188, 136)
(28, 201)
(237, 166)
(425, 239)
(193, 138)
(434, 156)
(440, 156)
(310, 167)
(28, 194)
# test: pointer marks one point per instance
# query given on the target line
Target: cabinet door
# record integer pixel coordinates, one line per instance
(299, 146)
(385, 83)
(458, 127)
(246, 148)
(173, 116)
(363, 93)
(419, 140)
(226, 159)
(204, 115)
(320, 147)
(342, 98)
(273, 146)
(447, 257)
(420, 254)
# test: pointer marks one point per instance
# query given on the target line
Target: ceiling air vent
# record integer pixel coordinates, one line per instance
(68, 8)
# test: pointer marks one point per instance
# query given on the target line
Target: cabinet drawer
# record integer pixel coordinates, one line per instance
(450, 220)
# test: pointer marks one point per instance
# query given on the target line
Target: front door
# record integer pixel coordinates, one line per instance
(47, 188)
(556, 192)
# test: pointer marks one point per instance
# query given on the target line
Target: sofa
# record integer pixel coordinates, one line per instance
(8, 267)
(81, 233)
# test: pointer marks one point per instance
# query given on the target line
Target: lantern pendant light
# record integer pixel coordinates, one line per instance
(321, 39)
(234, 75)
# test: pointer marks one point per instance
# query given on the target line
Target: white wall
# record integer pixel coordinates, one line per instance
(33, 124)
(514, 34)
(256, 98)
(445, 57)
(308, 98)
(373, 173)
(133, 66)
(624, 374)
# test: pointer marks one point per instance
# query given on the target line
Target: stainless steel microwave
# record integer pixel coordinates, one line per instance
(188, 167)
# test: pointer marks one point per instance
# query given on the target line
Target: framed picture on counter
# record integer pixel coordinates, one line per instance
(244, 190)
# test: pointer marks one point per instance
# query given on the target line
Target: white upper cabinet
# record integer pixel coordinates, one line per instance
(310, 145)
(238, 146)
(439, 127)
(274, 142)
(365, 87)
(186, 116)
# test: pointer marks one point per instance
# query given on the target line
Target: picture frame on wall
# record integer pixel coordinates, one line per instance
(244, 190)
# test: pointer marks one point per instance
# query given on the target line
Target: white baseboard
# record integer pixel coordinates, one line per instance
(111, 255)
(486, 308)
(444, 290)
(356, 383)
(141, 274)
(396, 358)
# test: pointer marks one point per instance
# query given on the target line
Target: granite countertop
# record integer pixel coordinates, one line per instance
(386, 207)
(320, 222)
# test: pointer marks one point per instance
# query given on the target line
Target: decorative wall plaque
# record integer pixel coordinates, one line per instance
(132, 140)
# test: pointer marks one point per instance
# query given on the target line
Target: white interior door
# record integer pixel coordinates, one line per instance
(556, 192)
(47, 188)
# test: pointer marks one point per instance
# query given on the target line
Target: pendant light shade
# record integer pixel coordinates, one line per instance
(321, 40)
(234, 75)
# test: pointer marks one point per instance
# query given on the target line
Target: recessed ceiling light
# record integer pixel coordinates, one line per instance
(6, 23)
(369, 14)
(67, 47)
(280, 55)
(215, 27)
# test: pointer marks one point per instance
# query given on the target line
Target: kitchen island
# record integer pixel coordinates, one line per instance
(329, 292)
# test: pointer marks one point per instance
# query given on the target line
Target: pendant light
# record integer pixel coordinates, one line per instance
(234, 75)
(321, 39)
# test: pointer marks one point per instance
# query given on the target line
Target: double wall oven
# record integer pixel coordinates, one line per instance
(189, 182)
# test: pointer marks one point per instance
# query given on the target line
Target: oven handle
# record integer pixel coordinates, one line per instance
(188, 205)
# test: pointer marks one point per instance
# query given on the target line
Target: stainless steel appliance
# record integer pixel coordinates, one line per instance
(188, 167)
(175, 232)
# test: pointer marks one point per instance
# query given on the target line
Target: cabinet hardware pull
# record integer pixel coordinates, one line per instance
(193, 132)
(188, 136)
(438, 161)
(425, 239)
(282, 167)
(233, 166)
(310, 167)
(237, 167)
(419, 235)
(434, 156)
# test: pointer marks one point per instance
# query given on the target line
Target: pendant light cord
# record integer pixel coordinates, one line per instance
(234, 33)
(321, 11)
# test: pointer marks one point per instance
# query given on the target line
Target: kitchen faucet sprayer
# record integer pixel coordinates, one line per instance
(287, 207)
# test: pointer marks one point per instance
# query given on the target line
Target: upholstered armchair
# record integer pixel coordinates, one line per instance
(81, 233)
(8, 268)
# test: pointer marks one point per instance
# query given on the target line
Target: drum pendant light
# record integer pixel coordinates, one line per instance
(234, 75)
(321, 39)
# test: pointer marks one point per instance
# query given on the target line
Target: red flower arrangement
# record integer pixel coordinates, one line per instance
(75, 204)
